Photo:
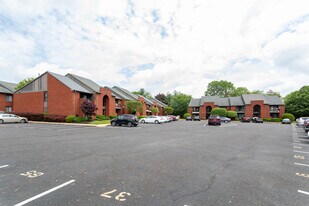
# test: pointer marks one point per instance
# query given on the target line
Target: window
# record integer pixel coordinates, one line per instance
(8, 109)
(45, 97)
(45, 109)
(9, 98)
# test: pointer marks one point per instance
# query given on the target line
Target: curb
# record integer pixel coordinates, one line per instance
(68, 124)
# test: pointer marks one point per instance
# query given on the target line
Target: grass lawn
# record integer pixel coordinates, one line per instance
(100, 122)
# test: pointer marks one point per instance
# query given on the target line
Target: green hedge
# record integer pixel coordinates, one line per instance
(42, 117)
(70, 118)
(140, 117)
(79, 119)
(102, 117)
(186, 115)
(288, 116)
(112, 116)
(231, 114)
(272, 119)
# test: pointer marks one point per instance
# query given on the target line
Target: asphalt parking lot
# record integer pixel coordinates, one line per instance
(180, 163)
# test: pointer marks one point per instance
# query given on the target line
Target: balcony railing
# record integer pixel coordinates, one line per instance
(274, 110)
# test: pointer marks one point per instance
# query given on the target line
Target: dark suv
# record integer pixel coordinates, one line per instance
(126, 119)
(214, 120)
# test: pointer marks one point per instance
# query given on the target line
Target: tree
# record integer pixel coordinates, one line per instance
(154, 110)
(169, 97)
(168, 110)
(24, 82)
(134, 106)
(257, 92)
(180, 102)
(220, 88)
(143, 93)
(88, 108)
(240, 91)
(231, 114)
(288, 116)
(161, 98)
(297, 102)
(273, 93)
(219, 111)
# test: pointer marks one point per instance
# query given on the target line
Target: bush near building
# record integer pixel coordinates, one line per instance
(288, 116)
(168, 110)
(112, 116)
(42, 117)
(186, 115)
(154, 110)
(102, 117)
(272, 119)
(232, 114)
(70, 118)
(134, 106)
(219, 111)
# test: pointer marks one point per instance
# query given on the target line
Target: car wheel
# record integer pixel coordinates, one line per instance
(143, 121)
(113, 124)
(156, 122)
(1, 121)
(225, 121)
(22, 121)
(130, 124)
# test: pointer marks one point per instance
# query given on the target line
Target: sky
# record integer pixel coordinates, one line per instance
(159, 45)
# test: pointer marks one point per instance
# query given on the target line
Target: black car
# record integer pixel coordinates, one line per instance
(126, 119)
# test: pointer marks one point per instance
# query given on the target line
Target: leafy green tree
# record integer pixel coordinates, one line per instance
(180, 102)
(220, 88)
(24, 82)
(169, 97)
(144, 93)
(154, 110)
(240, 91)
(134, 106)
(257, 92)
(168, 110)
(186, 115)
(219, 111)
(161, 97)
(231, 114)
(297, 102)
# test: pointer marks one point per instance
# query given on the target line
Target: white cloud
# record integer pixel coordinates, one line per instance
(259, 44)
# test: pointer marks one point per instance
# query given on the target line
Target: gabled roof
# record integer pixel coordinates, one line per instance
(70, 83)
(194, 102)
(161, 104)
(115, 93)
(87, 83)
(125, 93)
(254, 97)
(274, 100)
(236, 101)
(148, 101)
(7, 87)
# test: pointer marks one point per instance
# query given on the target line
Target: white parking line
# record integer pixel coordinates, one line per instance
(301, 164)
(304, 192)
(301, 152)
(44, 193)
(3, 166)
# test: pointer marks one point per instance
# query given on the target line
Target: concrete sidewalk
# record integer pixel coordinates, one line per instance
(69, 124)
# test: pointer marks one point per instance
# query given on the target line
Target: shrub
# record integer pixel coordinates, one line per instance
(186, 115)
(88, 108)
(272, 119)
(154, 110)
(70, 118)
(219, 111)
(102, 117)
(289, 116)
(79, 119)
(140, 117)
(54, 118)
(168, 110)
(232, 114)
(112, 116)
(237, 119)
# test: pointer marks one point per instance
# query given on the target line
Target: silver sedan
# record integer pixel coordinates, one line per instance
(12, 118)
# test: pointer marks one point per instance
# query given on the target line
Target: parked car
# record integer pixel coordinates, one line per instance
(173, 118)
(152, 119)
(126, 119)
(188, 118)
(306, 125)
(196, 118)
(214, 120)
(257, 120)
(300, 121)
(225, 119)
(166, 119)
(245, 119)
(286, 121)
(12, 118)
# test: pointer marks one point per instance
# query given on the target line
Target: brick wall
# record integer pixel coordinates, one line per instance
(203, 109)
(32, 102)
(3, 103)
(281, 110)
(110, 107)
(264, 112)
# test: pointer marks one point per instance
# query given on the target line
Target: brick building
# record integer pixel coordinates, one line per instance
(249, 105)
(62, 95)
(6, 96)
